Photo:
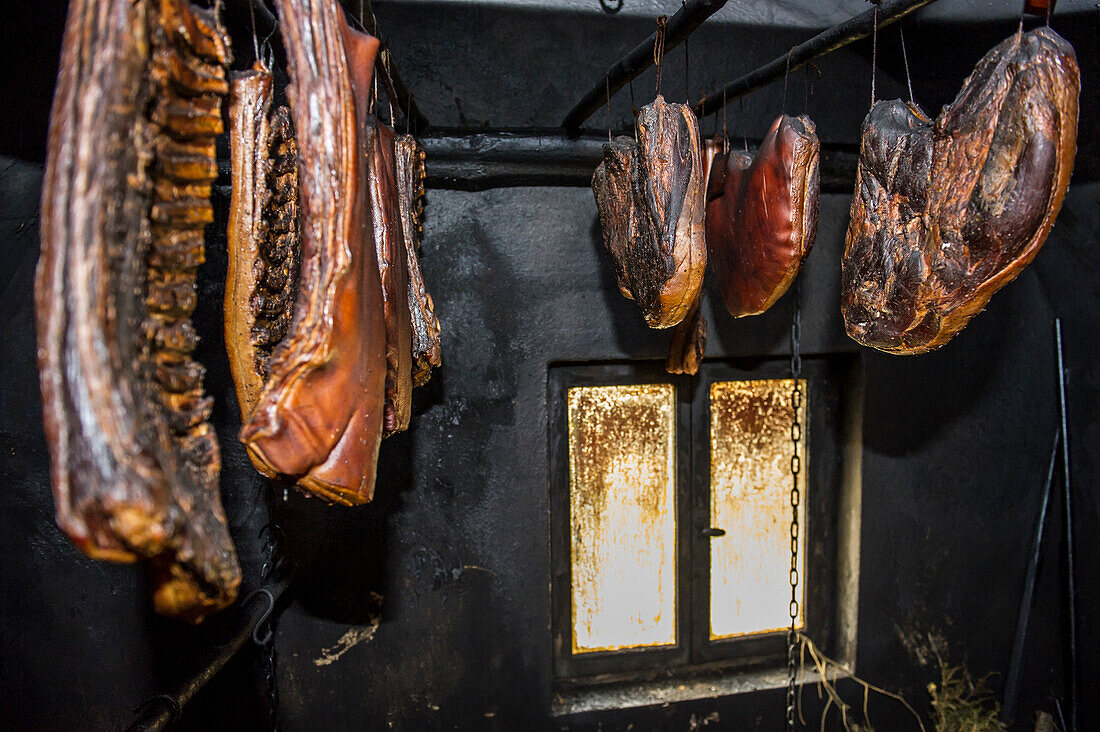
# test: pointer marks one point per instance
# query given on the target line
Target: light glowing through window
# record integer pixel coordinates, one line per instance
(622, 487)
(750, 484)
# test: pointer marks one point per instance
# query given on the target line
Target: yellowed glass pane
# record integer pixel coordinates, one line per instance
(750, 483)
(622, 511)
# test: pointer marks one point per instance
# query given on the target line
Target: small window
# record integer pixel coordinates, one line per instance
(750, 500)
(622, 515)
(671, 517)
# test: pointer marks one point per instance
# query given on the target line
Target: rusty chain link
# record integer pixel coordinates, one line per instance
(795, 500)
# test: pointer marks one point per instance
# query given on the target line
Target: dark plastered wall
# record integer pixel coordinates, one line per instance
(430, 608)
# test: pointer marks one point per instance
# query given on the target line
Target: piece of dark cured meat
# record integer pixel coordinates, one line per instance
(947, 213)
(319, 418)
(650, 195)
(762, 215)
(125, 202)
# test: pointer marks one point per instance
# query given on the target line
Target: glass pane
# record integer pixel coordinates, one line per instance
(750, 484)
(622, 511)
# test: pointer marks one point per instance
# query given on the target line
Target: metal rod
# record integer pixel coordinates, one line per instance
(161, 710)
(628, 68)
(1071, 580)
(461, 159)
(823, 43)
(1012, 678)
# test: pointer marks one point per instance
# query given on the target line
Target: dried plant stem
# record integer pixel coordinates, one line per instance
(830, 672)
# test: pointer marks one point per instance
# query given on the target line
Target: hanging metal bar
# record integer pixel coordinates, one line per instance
(1073, 684)
(823, 43)
(462, 159)
(687, 19)
(1023, 618)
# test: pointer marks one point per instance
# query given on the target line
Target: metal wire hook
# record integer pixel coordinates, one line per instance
(262, 622)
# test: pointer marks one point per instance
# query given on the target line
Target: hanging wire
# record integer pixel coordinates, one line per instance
(633, 106)
(255, 38)
(607, 88)
(786, 75)
(797, 397)
(744, 127)
(659, 47)
(812, 71)
(874, 54)
(687, 64)
(905, 59)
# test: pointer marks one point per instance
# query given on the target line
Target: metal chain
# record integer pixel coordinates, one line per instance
(796, 499)
(271, 569)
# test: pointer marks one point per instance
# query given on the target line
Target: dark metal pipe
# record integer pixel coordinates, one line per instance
(1012, 678)
(459, 159)
(679, 27)
(823, 43)
(1073, 684)
(161, 710)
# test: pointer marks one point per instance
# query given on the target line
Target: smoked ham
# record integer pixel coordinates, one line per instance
(650, 197)
(762, 215)
(946, 213)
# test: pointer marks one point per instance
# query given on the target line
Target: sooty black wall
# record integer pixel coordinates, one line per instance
(430, 608)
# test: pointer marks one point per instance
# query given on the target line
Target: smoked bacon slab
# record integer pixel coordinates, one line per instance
(263, 238)
(946, 213)
(318, 420)
(427, 343)
(126, 199)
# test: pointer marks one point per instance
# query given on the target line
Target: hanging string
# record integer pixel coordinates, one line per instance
(687, 65)
(811, 72)
(783, 104)
(659, 47)
(905, 59)
(874, 54)
(607, 88)
(633, 106)
(744, 127)
(1049, 10)
(687, 68)
(725, 130)
(255, 38)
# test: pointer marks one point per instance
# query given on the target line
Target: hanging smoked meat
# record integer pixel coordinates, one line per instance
(427, 347)
(651, 203)
(264, 244)
(318, 419)
(689, 338)
(393, 267)
(947, 212)
(126, 199)
(762, 215)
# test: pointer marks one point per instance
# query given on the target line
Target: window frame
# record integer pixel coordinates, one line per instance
(829, 382)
